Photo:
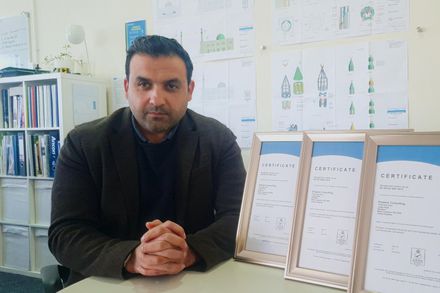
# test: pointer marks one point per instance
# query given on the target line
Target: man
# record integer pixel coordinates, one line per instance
(152, 189)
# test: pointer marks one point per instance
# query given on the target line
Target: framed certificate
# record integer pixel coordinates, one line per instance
(320, 250)
(269, 199)
(398, 239)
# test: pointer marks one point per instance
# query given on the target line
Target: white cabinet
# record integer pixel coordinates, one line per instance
(36, 113)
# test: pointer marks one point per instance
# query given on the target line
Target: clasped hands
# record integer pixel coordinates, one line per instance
(163, 251)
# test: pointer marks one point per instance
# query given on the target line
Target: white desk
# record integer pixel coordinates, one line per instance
(231, 276)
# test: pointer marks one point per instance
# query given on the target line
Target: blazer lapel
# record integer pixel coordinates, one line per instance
(124, 153)
(187, 138)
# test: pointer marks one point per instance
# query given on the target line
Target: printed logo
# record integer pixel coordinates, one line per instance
(341, 237)
(418, 256)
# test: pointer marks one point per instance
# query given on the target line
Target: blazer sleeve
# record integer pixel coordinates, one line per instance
(74, 234)
(216, 242)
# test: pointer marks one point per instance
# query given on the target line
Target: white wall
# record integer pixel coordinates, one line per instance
(104, 22)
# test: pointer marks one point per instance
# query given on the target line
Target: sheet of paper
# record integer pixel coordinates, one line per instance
(360, 86)
(274, 198)
(220, 39)
(15, 47)
(296, 21)
(404, 243)
(209, 30)
(243, 123)
(118, 94)
(352, 86)
(388, 84)
(288, 91)
(319, 89)
(286, 22)
(221, 92)
(330, 215)
(390, 16)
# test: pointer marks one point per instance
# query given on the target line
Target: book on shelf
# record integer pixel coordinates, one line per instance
(21, 155)
(12, 104)
(54, 149)
(44, 151)
(5, 108)
(12, 154)
(43, 154)
(42, 106)
(54, 99)
(36, 155)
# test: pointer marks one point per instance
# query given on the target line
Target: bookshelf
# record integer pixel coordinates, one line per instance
(36, 112)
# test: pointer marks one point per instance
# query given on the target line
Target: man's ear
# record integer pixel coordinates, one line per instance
(191, 89)
(126, 87)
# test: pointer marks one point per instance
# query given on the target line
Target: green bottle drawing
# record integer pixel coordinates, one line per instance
(371, 123)
(352, 109)
(352, 126)
(370, 62)
(371, 109)
(351, 89)
(371, 86)
(298, 84)
(351, 65)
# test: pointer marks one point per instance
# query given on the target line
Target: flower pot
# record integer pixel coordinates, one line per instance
(63, 65)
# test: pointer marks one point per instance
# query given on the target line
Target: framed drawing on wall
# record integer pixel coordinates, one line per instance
(398, 238)
(320, 250)
(269, 199)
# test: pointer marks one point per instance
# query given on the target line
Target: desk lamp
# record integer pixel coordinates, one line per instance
(75, 35)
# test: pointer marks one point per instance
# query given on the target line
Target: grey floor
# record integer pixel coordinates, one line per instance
(13, 283)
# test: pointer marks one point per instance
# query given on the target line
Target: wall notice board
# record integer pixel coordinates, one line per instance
(15, 47)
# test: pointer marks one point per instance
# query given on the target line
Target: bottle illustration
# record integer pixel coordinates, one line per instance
(285, 88)
(351, 65)
(298, 84)
(351, 89)
(371, 125)
(371, 109)
(370, 62)
(322, 87)
(352, 110)
(371, 86)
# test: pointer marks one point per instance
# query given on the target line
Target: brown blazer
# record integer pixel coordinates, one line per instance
(95, 195)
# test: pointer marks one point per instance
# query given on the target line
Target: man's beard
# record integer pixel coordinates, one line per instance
(158, 125)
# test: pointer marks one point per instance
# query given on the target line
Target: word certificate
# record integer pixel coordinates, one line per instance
(329, 220)
(274, 198)
(404, 244)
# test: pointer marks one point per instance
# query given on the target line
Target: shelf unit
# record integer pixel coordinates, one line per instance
(60, 101)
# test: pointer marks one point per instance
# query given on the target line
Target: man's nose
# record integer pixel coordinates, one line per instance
(156, 96)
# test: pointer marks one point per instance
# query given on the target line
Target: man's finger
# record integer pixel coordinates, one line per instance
(163, 228)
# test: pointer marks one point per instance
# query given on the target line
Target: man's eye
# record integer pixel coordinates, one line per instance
(144, 84)
(173, 86)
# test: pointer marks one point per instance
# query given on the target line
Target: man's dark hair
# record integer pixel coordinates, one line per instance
(158, 46)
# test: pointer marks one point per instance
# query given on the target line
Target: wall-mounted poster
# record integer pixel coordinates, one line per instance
(134, 29)
(15, 47)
